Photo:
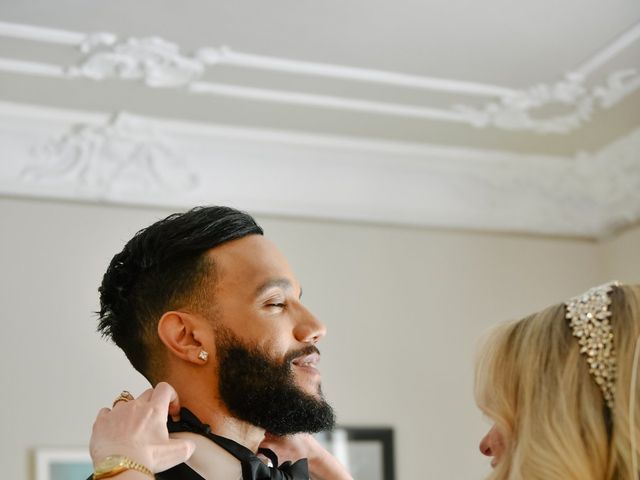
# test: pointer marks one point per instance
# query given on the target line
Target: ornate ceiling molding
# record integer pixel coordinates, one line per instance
(515, 112)
(102, 161)
(130, 159)
(160, 64)
(155, 61)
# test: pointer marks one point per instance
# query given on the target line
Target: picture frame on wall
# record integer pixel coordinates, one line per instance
(367, 452)
(62, 464)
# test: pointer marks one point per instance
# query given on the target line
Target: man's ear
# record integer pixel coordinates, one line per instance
(184, 335)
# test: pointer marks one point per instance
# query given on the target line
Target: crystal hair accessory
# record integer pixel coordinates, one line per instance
(589, 319)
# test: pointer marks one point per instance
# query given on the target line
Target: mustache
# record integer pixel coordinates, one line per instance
(300, 353)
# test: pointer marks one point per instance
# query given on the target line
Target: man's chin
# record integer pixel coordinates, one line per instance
(311, 387)
(313, 391)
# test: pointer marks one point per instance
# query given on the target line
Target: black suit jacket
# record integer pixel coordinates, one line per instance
(179, 472)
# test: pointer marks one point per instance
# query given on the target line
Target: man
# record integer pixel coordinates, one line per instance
(203, 301)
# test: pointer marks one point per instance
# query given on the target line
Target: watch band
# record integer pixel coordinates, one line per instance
(116, 464)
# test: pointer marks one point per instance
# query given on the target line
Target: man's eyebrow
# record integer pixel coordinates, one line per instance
(282, 283)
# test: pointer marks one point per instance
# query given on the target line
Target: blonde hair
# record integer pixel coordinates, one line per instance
(532, 381)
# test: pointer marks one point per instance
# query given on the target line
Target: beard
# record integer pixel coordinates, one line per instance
(263, 392)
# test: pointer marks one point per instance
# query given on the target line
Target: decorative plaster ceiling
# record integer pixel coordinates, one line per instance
(423, 132)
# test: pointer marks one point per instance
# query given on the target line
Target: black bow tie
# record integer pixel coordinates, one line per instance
(252, 467)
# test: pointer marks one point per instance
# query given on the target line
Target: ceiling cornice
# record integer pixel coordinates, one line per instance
(129, 159)
(159, 63)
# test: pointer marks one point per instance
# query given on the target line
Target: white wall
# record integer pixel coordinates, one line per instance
(622, 256)
(403, 306)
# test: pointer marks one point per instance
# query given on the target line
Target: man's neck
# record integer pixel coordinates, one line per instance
(199, 394)
(224, 424)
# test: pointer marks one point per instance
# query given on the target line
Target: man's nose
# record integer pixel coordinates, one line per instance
(308, 328)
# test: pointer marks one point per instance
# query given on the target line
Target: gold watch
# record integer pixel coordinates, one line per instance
(115, 464)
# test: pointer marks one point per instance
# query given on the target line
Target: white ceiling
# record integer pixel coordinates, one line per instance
(503, 42)
(556, 83)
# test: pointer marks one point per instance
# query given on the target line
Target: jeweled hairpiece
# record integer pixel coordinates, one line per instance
(589, 319)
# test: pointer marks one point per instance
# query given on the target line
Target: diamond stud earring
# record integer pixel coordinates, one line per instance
(203, 355)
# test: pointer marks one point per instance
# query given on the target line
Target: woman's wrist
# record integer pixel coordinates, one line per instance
(122, 466)
(324, 466)
(131, 475)
(136, 460)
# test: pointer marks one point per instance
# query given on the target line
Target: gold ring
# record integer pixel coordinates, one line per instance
(123, 397)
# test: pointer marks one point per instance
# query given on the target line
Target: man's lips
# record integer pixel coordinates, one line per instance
(308, 361)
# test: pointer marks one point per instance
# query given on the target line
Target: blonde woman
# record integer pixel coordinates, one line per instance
(561, 389)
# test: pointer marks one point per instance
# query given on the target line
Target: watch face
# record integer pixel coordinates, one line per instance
(110, 463)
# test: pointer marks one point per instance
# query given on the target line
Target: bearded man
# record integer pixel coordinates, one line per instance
(209, 311)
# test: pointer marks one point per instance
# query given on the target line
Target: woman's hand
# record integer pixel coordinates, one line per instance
(138, 429)
(322, 465)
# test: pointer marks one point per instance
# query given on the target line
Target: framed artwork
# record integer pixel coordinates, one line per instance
(367, 452)
(63, 464)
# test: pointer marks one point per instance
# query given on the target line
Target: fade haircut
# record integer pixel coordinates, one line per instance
(162, 268)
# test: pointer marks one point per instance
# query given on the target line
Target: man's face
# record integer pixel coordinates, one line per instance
(265, 340)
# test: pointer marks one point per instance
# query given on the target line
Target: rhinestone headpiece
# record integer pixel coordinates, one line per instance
(588, 316)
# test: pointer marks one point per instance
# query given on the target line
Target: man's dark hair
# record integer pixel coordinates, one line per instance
(163, 267)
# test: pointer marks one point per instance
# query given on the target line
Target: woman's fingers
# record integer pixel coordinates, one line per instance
(290, 447)
(103, 411)
(146, 395)
(138, 429)
(165, 396)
